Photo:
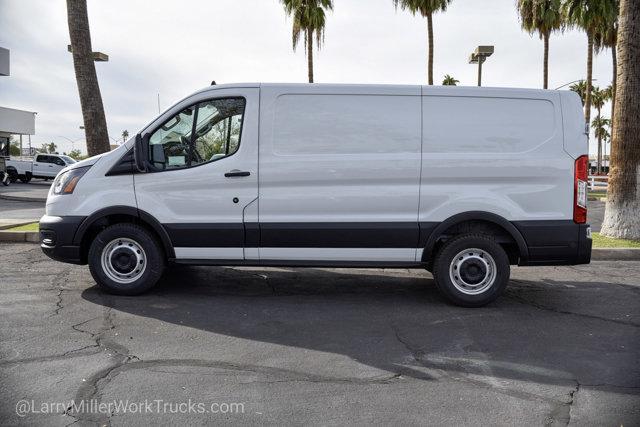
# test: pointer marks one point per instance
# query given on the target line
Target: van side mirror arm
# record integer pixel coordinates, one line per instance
(141, 152)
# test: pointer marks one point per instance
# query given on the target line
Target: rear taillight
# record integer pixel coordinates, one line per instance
(580, 190)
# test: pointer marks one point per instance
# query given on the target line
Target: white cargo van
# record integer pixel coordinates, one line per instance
(460, 181)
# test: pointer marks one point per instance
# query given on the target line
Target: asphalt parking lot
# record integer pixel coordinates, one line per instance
(319, 346)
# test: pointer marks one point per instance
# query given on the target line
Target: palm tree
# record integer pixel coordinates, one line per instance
(607, 37)
(125, 135)
(621, 217)
(49, 148)
(449, 81)
(542, 17)
(599, 125)
(95, 124)
(426, 8)
(580, 88)
(598, 98)
(309, 17)
(591, 16)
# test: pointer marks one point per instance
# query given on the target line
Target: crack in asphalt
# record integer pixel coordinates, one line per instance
(119, 354)
(57, 285)
(511, 295)
(561, 412)
(58, 303)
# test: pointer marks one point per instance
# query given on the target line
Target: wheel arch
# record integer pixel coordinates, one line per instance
(473, 217)
(116, 214)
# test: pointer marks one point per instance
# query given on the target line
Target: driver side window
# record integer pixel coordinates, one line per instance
(202, 133)
(169, 145)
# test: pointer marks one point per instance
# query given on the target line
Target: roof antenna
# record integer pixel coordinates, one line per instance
(213, 82)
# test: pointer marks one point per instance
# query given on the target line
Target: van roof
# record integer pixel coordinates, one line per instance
(387, 88)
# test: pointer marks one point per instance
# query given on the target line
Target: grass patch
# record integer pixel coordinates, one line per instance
(34, 226)
(600, 241)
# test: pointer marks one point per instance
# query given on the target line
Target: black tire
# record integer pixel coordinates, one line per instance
(24, 178)
(111, 238)
(473, 267)
(13, 175)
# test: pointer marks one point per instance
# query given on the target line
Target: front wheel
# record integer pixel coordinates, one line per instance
(471, 270)
(125, 259)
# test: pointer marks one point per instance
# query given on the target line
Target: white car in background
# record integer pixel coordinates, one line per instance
(45, 166)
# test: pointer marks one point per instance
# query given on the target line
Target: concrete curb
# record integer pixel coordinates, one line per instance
(20, 236)
(615, 254)
(23, 198)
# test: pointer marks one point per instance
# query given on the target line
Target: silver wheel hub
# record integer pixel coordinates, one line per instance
(472, 271)
(123, 260)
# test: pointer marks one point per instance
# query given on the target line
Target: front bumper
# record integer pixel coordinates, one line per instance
(57, 238)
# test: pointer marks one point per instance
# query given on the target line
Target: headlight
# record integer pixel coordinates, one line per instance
(66, 182)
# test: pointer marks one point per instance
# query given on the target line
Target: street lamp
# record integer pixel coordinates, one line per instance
(478, 56)
(575, 81)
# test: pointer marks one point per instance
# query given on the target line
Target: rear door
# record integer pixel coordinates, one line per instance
(42, 165)
(56, 165)
(206, 162)
(339, 173)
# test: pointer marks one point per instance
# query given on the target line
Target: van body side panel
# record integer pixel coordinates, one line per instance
(502, 152)
(494, 151)
(339, 168)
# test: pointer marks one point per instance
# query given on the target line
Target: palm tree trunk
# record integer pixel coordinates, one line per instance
(430, 36)
(545, 79)
(95, 124)
(310, 53)
(587, 98)
(614, 61)
(621, 217)
(599, 164)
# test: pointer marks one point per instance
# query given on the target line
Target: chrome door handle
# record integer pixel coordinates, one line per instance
(237, 172)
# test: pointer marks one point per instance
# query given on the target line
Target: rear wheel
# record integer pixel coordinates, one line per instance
(125, 259)
(25, 178)
(471, 270)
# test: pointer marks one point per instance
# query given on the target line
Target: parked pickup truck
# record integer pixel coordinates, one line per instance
(44, 166)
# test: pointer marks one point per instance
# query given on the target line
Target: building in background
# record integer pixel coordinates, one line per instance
(12, 121)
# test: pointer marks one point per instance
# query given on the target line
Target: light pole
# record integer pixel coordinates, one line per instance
(478, 56)
(575, 81)
(72, 141)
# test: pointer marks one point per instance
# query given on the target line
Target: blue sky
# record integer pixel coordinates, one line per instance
(173, 50)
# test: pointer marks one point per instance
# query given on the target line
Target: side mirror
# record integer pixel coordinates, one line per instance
(141, 152)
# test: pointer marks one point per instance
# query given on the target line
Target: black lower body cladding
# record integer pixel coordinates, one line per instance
(556, 242)
(57, 238)
(548, 242)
